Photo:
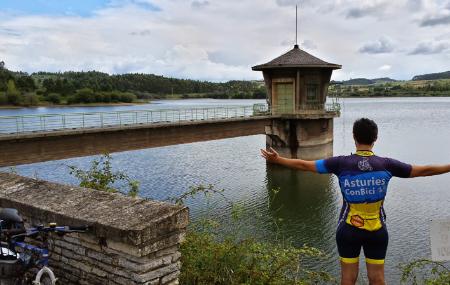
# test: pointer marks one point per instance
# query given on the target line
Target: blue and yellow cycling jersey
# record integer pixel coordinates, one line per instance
(363, 179)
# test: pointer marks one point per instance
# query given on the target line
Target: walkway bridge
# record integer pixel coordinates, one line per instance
(36, 138)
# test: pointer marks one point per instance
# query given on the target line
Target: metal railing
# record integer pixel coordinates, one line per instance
(57, 122)
(10, 125)
(317, 108)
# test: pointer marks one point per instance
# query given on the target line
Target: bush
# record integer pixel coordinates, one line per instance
(127, 97)
(85, 95)
(30, 99)
(433, 273)
(115, 97)
(100, 176)
(54, 98)
(106, 97)
(3, 98)
(13, 98)
(98, 97)
(206, 260)
(209, 257)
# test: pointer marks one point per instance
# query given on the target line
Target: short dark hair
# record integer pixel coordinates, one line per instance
(365, 131)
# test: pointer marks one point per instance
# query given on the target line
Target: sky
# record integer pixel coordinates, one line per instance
(219, 40)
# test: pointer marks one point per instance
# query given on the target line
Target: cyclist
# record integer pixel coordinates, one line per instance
(363, 179)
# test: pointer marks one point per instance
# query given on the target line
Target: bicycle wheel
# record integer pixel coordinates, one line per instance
(45, 276)
(46, 280)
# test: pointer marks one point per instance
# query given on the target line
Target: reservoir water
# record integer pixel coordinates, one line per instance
(413, 130)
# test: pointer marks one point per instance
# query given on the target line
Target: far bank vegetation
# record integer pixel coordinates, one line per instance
(92, 87)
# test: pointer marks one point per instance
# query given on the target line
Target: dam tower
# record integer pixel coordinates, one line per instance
(297, 88)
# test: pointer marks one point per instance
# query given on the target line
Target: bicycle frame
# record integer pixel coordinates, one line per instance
(32, 256)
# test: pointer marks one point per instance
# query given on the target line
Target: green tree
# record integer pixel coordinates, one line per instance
(3, 98)
(84, 95)
(127, 97)
(30, 99)
(12, 94)
(25, 83)
(54, 98)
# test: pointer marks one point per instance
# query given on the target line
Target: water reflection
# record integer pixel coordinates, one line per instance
(307, 204)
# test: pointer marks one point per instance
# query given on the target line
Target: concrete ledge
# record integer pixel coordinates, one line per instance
(133, 240)
(87, 130)
(311, 116)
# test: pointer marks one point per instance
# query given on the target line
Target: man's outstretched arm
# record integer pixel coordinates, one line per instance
(273, 157)
(429, 170)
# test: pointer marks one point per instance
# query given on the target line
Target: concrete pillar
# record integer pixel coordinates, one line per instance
(309, 139)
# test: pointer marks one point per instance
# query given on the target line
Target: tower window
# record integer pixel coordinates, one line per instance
(312, 93)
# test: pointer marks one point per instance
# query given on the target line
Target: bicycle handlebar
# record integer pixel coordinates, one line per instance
(41, 229)
(79, 228)
(13, 232)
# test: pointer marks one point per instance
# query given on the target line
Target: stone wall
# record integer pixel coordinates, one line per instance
(131, 241)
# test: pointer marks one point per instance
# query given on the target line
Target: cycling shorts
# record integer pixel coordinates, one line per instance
(350, 239)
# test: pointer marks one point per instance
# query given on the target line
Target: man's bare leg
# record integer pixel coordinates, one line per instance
(349, 273)
(375, 273)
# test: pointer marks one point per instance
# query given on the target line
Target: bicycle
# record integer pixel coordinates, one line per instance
(22, 263)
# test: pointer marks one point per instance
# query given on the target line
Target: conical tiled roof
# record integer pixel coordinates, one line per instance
(296, 58)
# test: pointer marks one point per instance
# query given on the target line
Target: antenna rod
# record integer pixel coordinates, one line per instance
(296, 26)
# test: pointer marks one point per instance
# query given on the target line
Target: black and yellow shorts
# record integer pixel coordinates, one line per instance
(350, 239)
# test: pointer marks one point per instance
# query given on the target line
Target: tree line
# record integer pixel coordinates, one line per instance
(20, 88)
(427, 88)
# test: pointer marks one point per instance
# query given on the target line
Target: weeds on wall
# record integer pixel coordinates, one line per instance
(425, 272)
(100, 176)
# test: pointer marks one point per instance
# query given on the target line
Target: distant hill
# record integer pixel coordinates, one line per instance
(365, 81)
(383, 80)
(432, 76)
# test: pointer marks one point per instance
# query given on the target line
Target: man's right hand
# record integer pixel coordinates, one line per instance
(270, 155)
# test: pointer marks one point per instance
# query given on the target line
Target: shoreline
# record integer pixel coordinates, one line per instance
(10, 107)
(383, 97)
(3, 107)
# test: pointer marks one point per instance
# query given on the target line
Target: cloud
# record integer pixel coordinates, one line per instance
(289, 2)
(385, 67)
(141, 33)
(414, 5)
(383, 45)
(199, 4)
(287, 42)
(183, 61)
(176, 39)
(145, 4)
(308, 44)
(435, 20)
(430, 48)
(10, 32)
(229, 57)
(371, 8)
